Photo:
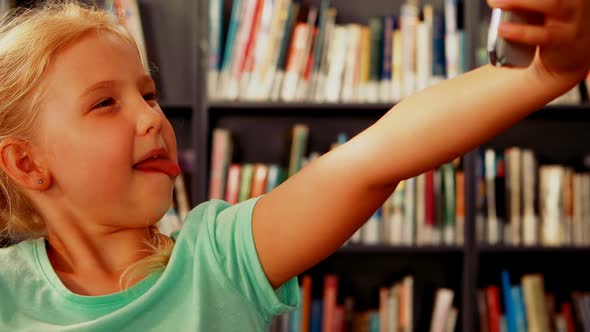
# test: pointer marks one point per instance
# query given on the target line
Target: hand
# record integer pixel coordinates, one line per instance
(563, 38)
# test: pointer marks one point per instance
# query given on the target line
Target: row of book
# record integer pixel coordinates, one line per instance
(231, 181)
(394, 312)
(289, 51)
(520, 202)
(235, 182)
(528, 306)
(128, 15)
(425, 210)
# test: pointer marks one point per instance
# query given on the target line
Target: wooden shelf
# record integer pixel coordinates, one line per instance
(280, 108)
(532, 249)
(579, 112)
(387, 249)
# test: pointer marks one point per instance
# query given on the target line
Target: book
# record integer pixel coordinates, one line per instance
(127, 11)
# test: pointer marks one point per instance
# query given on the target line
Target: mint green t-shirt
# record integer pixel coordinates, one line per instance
(213, 282)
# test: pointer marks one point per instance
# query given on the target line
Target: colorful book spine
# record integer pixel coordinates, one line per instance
(509, 303)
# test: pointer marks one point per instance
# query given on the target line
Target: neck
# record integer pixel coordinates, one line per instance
(92, 264)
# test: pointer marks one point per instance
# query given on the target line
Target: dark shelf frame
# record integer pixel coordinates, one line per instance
(533, 249)
(395, 250)
(215, 106)
(579, 112)
(173, 111)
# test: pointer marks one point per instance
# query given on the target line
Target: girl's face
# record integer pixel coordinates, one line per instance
(99, 118)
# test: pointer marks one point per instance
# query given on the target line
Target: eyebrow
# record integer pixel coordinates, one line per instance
(143, 80)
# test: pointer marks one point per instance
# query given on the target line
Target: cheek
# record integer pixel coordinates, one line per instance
(98, 159)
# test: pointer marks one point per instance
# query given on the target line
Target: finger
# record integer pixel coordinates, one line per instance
(553, 8)
(536, 35)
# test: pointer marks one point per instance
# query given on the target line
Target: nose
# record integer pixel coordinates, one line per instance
(148, 118)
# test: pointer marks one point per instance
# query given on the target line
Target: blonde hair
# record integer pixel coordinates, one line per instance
(29, 41)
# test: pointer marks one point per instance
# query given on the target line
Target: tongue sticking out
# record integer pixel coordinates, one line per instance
(159, 165)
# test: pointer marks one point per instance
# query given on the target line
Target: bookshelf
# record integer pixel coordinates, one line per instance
(360, 273)
(465, 268)
(361, 268)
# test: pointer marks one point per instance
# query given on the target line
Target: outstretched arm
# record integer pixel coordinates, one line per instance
(314, 212)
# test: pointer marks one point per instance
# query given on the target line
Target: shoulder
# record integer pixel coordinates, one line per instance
(213, 229)
(207, 215)
(18, 261)
(17, 254)
(215, 209)
(214, 238)
(220, 234)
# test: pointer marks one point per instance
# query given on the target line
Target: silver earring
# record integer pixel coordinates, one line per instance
(40, 181)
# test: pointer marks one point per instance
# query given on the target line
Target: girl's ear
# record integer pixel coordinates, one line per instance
(18, 162)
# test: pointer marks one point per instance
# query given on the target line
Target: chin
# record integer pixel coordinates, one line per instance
(154, 198)
(163, 206)
(154, 213)
(155, 208)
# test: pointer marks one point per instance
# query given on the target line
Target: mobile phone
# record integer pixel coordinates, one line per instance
(504, 53)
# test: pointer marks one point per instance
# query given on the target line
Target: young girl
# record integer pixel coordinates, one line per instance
(88, 162)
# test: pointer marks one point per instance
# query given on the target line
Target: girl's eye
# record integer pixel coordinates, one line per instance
(152, 96)
(104, 103)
